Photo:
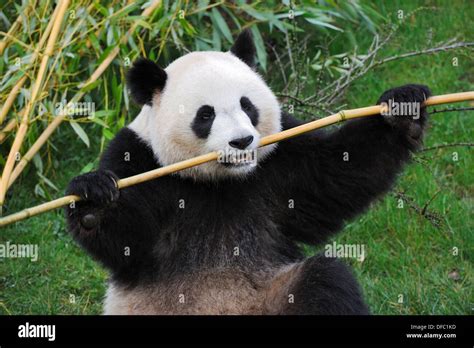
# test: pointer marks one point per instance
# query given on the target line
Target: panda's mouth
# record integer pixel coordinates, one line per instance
(236, 165)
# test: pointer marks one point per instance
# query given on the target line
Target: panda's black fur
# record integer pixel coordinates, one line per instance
(144, 78)
(244, 48)
(170, 246)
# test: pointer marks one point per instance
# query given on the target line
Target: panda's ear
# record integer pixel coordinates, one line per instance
(244, 48)
(144, 79)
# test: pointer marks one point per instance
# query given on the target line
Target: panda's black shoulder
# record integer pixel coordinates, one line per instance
(289, 121)
(128, 154)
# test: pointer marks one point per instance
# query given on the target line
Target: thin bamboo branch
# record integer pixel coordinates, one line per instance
(61, 117)
(13, 28)
(443, 146)
(34, 93)
(26, 158)
(11, 98)
(435, 111)
(16, 89)
(212, 156)
(425, 51)
(434, 218)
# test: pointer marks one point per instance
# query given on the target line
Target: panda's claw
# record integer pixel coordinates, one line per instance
(99, 187)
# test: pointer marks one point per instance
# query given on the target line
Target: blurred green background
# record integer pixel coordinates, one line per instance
(318, 57)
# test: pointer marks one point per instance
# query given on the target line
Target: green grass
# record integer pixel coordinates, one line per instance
(63, 269)
(406, 254)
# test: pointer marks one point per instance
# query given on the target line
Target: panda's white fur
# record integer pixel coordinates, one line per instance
(207, 78)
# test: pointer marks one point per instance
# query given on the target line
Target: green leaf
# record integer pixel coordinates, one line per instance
(142, 23)
(87, 168)
(80, 132)
(105, 53)
(323, 24)
(255, 14)
(48, 182)
(90, 86)
(107, 134)
(104, 113)
(188, 28)
(38, 162)
(99, 121)
(287, 14)
(39, 191)
(259, 44)
(216, 40)
(222, 25)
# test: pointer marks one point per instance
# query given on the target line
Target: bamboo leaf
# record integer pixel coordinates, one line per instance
(323, 24)
(80, 132)
(222, 25)
(38, 162)
(259, 44)
(107, 134)
(39, 191)
(144, 24)
(48, 182)
(87, 168)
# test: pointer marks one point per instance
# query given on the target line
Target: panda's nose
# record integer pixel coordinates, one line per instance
(241, 143)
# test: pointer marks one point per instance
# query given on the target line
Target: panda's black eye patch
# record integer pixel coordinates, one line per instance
(250, 109)
(205, 112)
(202, 123)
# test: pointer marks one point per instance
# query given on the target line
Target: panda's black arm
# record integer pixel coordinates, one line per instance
(119, 235)
(118, 228)
(327, 178)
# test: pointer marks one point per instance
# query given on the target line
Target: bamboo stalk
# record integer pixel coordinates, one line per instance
(16, 89)
(60, 118)
(26, 158)
(34, 93)
(212, 156)
(8, 128)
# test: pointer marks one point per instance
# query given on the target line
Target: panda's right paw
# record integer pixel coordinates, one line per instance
(98, 188)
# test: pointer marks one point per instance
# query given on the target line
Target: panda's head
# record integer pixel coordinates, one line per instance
(204, 102)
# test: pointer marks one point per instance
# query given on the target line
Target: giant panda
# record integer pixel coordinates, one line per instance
(225, 237)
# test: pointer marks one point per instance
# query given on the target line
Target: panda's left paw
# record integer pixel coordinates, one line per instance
(404, 109)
